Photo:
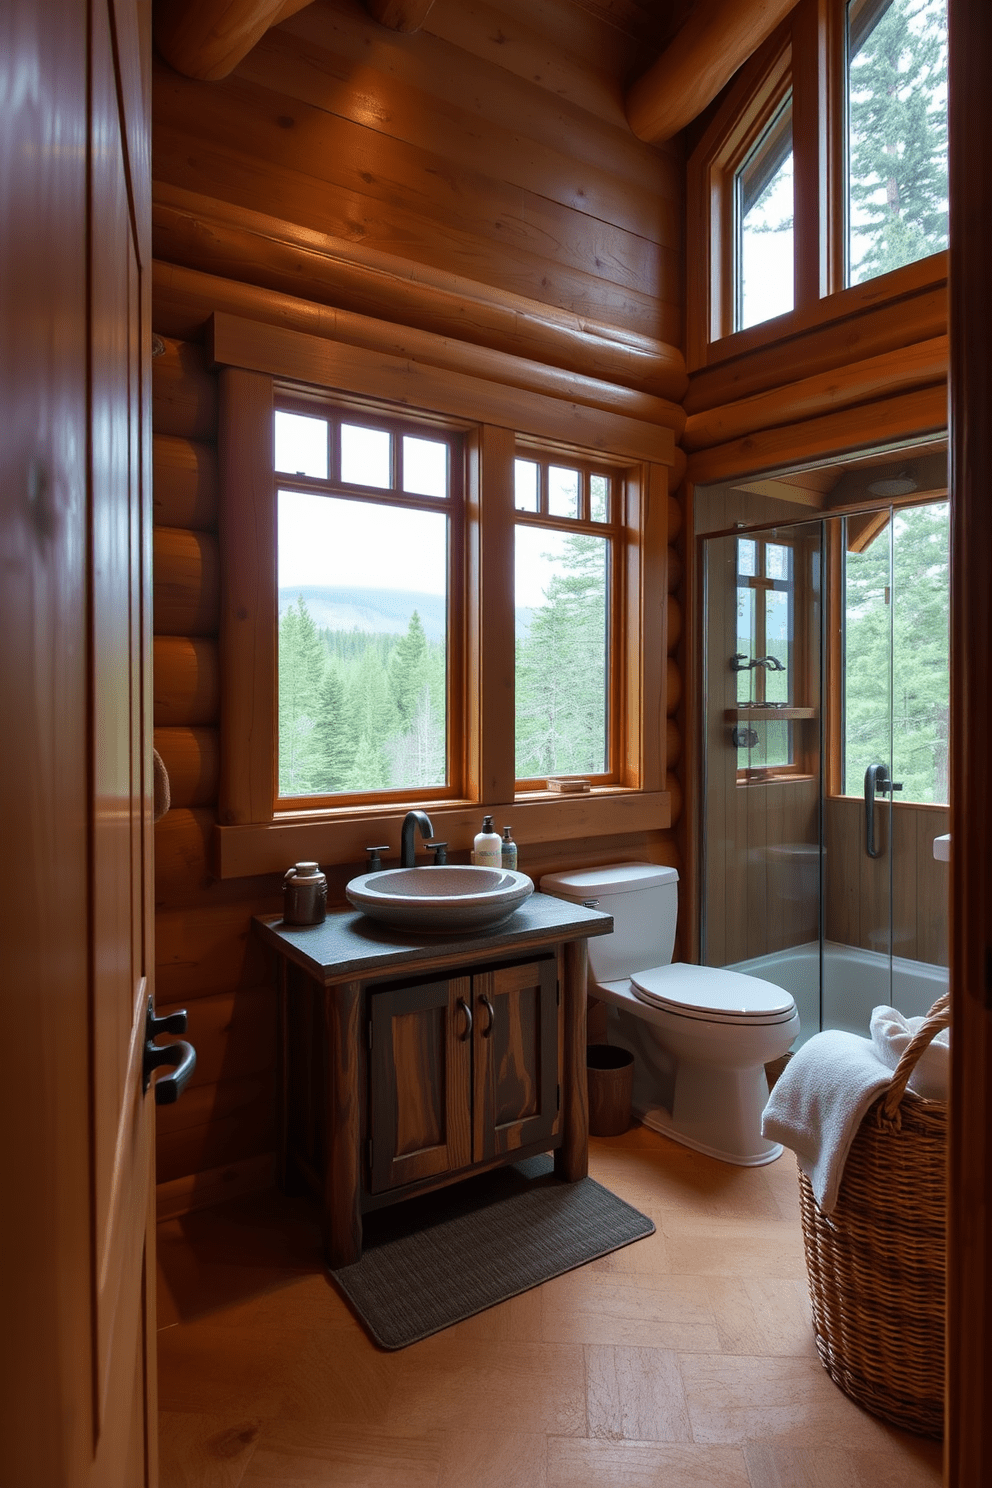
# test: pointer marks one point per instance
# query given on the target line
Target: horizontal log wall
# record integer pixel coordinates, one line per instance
(474, 218)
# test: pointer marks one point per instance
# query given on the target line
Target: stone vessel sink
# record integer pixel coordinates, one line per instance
(454, 898)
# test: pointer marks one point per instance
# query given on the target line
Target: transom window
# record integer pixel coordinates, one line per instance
(567, 519)
(366, 582)
(764, 272)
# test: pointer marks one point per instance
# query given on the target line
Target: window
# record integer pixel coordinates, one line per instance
(764, 273)
(896, 650)
(765, 658)
(897, 133)
(365, 554)
(825, 166)
(565, 589)
(382, 609)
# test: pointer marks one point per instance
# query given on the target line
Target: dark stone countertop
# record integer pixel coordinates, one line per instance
(348, 946)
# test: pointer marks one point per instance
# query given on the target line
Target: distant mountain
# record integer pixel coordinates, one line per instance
(384, 611)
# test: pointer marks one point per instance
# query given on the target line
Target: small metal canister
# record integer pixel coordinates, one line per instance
(304, 895)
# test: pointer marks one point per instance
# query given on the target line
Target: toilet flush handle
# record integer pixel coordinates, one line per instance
(590, 904)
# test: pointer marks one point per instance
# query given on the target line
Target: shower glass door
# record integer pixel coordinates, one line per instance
(825, 729)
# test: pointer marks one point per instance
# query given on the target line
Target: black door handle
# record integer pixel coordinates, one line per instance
(181, 1055)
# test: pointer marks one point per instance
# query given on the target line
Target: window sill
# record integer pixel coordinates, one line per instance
(272, 847)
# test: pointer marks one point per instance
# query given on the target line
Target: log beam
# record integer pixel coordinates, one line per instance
(399, 15)
(717, 38)
(206, 39)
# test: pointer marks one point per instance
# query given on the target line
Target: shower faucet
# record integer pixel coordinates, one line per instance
(740, 663)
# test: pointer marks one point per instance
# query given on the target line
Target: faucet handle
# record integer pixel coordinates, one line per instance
(440, 851)
(374, 863)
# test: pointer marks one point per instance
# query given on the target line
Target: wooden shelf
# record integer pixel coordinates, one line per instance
(740, 715)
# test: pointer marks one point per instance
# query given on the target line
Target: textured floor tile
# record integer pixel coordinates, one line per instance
(517, 1320)
(330, 1383)
(490, 1458)
(645, 1312)
(239, 1372)
(751, 1248)
(635, 1394)
(533, 1387)
(318, 1455)
(601, 1464)
(904, 1464)
(761, 1315)
(200, 1451)
(735, 1399)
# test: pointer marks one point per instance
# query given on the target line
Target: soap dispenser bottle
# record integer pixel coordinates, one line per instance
(508, 851)
(487, 846)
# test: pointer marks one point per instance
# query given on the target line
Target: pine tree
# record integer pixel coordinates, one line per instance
(408, 669)
(899, 138)
(302, 658)
(561, 669)
(334, 738)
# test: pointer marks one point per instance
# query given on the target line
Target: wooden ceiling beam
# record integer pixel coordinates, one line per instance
(399, 15)
(717, 39)
(206, 39)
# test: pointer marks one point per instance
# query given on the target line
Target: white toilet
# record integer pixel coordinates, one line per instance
(700, 1035)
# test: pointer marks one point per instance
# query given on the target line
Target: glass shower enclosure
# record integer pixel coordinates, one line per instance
(825, 729)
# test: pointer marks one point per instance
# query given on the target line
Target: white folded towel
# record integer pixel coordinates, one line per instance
(818, 1102)
(891, 1033)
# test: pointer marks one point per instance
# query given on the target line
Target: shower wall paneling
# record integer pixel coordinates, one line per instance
(546, 255)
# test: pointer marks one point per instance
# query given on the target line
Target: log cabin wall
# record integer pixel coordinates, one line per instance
(476, 181)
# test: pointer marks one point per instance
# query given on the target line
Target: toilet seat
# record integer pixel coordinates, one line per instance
(709, 994)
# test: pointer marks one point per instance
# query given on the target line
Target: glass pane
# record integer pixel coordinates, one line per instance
(425, 466)
(747, 550)
(867, 669)
(921, 651)
(777, 561)
(897, 144)
(765, 266)
(778, 634)
(301, 445)
(563, 491)
(365, 456)
(599, 498)
(562, 653)
(746, 624)
(526, 489)
(362, 655)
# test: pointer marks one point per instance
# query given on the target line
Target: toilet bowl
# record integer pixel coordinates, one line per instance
(700, 1035)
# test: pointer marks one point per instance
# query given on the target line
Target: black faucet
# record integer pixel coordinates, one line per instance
(413, 819)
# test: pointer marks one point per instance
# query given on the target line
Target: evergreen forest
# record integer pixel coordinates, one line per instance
(897, 626)
(358, 710)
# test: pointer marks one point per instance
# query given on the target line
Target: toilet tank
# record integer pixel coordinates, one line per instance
(643, 900)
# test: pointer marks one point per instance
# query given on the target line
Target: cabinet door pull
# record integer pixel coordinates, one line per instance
(468, 1018)
(492, 1015)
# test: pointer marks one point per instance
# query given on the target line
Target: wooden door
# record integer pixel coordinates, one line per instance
(77, 1402)
(420, 1086)
(518, 1036)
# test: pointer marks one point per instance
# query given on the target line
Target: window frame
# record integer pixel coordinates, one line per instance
(453, 507)
(254, 360)
(813, 39)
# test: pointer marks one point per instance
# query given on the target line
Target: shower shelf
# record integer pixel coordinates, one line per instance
(734, 715)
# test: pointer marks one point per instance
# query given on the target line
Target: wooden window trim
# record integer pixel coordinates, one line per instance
(813, 37)
(251, 838)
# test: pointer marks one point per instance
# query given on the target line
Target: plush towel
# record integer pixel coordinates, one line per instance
(891, 1034)
(818, 1102)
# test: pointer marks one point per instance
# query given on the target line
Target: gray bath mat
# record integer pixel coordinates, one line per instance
(433, 1261)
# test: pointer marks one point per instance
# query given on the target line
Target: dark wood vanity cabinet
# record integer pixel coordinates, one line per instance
(462, 1071)
(406, 1065)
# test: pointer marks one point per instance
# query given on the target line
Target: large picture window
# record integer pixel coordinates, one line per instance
(365, 560)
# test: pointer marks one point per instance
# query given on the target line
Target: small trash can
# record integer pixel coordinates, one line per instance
(611, 1085)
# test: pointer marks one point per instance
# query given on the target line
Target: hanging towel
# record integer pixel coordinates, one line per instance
(818, 1102)
(891, 1033)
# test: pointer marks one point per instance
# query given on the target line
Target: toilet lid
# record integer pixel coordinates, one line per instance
(713, 994)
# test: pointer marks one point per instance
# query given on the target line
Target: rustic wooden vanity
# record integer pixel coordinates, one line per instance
(409, 1062)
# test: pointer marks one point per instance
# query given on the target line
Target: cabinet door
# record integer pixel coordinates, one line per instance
(420, 1085)
(516, 1077)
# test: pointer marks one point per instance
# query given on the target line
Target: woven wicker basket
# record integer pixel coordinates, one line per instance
(876, 1266)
